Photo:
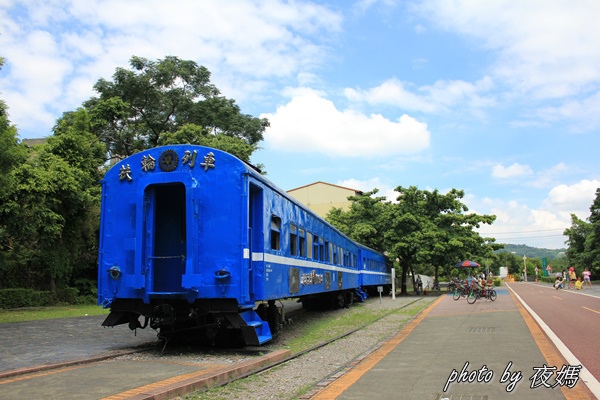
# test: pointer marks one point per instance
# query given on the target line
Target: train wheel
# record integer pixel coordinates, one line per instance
(349, 299)
(340, 300)
(229, 338)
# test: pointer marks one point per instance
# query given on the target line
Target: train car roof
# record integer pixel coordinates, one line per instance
(150, 156)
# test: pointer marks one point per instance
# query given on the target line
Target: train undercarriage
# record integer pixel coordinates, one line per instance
(220, 322)
(209, 322)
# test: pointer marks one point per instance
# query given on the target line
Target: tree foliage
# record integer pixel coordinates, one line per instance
(51, 215)
(12, 154)
(419, 229)
(584, 239)
(193, 134)
(156, 98)
(50, 193)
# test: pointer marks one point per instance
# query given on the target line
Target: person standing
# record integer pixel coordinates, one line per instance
(536, 273)
(587, 277)
(566, 278)
(572, 277)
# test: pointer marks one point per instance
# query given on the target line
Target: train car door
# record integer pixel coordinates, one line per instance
(255, 222)
(165, 236)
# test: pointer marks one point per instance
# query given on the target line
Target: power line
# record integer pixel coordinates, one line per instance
(539, 230)
(531, 237)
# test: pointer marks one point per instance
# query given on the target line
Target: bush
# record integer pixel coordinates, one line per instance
(20, 298)
(17, 298)
(67, 295)
(497, 281)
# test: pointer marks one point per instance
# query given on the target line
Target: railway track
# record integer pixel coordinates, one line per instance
(319, 362)
(146, 367)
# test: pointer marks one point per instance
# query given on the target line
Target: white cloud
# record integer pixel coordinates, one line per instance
(582, 112)
(516, 169)
(311, 123)
(576, 198)
(519, 223)
(247, 45)
(550, 176)
(549, 49)
(443, 95)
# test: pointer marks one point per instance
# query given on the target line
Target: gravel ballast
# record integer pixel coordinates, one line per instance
(302, 376)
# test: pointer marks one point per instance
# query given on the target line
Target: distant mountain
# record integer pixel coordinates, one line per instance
(533, 252)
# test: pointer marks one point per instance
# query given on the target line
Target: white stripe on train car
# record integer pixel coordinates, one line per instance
(308, 264)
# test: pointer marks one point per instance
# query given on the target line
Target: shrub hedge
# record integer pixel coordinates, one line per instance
(19, 298)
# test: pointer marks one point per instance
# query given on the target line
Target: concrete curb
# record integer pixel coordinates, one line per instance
(187, 383)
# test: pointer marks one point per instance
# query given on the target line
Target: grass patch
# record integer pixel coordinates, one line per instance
(40, 313)
(328, 325)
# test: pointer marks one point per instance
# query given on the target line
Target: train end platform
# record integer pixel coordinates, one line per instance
(454, 350)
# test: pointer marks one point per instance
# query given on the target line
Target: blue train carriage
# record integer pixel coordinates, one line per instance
(192, 239)
(375, 272)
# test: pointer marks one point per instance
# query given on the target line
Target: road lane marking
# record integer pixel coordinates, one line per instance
(556, 297)
(597, 312)
(585, 376)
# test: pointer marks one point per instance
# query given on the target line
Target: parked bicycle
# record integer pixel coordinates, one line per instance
(478, 291)
(461, 289)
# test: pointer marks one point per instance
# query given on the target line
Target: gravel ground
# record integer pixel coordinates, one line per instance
(300, 375)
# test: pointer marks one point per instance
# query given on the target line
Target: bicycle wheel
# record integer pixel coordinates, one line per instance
(456, 294)
(472, 297)
(493, 295)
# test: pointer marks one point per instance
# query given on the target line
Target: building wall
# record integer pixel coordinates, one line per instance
(321, 197)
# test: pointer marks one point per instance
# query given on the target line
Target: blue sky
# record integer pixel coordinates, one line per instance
(498, 98)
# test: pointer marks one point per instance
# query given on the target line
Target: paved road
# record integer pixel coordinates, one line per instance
(572, 315)
(29, 344)
(34, 343)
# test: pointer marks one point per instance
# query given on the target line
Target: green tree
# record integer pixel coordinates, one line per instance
(74, 143)
(453, 236)
(420, 227)
(156, 98)
(430, 228)
(193, 134)
(363, 221)
(52, 213)
(12, 154)
(584, 239)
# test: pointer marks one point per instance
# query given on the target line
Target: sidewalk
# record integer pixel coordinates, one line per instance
(455, 350)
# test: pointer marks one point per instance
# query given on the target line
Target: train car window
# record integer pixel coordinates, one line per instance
(302, 246)
(309, 245)
(293, 240)
(328, 252)
(335, 255)
(322, 249)
(315, 247)
(275, 233)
